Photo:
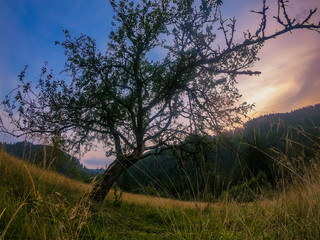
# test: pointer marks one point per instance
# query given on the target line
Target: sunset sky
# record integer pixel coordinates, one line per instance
(290, 64)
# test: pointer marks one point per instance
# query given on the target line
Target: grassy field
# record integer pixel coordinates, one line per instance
(37, 204)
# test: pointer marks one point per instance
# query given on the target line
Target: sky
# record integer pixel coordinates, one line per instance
(290, 64)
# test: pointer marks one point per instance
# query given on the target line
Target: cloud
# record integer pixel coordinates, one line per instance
(296, 72)
(307, 83)
(290, 74)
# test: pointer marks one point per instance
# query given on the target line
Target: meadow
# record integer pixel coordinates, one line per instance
(39, 204)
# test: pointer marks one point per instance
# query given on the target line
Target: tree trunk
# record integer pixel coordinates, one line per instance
(103, 185)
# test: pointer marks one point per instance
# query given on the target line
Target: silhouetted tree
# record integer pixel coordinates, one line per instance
(137, 104)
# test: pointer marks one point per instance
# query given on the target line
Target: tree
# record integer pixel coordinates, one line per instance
(137, 104)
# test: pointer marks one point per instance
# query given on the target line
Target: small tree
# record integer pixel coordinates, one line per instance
(136, 104)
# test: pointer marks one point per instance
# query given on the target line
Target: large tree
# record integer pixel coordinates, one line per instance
(168, 72)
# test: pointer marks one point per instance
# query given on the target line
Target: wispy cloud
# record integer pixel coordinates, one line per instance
(307, 83)
(290, 74)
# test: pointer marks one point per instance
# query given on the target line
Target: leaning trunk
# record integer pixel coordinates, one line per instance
(103, 185)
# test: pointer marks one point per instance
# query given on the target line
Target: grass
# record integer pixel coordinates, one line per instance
(37, 204)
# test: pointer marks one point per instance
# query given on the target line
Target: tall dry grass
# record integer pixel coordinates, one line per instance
(293, 211)
(38, 204)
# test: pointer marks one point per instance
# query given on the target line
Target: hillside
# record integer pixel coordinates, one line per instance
(38, 204)
(246, 156)
(50, 157)
(306, 117)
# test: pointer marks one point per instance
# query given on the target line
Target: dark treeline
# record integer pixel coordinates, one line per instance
(50, 157)
(247, 161)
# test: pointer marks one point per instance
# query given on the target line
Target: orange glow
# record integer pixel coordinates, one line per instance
(290, 78)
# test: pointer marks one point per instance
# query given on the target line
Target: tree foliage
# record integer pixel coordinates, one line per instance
(137, 101)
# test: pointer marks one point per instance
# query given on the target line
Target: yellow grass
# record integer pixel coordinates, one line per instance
(297, 190)
(52, 177)
(161, 202)
(18, 165)
(294, 213)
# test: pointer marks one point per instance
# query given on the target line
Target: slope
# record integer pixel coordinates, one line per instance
(37, 204)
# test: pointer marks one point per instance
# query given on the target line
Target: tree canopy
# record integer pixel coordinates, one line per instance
(168, 72)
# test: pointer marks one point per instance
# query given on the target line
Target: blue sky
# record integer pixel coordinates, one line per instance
(28, 29)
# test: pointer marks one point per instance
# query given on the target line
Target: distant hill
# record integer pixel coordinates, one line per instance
(296, 129)
(307, 118)
(50, 157)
